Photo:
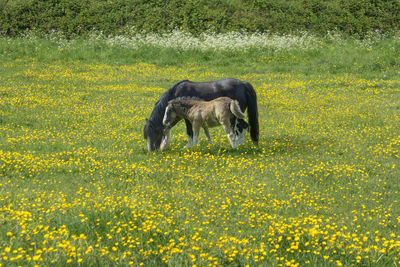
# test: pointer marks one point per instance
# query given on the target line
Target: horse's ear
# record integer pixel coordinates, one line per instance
(150, 122)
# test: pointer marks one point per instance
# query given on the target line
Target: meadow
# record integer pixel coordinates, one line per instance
(78, 187)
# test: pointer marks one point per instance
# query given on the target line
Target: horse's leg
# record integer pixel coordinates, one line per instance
(229, 132)
(233, 122)
(189, 131)
(240, 135)
(165, 140)
(208, 136)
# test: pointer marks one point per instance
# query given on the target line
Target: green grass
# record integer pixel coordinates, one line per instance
(78, 186)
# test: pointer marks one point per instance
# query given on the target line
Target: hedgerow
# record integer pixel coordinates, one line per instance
(80, 17)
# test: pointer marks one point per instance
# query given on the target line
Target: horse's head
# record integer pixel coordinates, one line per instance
(154, 134)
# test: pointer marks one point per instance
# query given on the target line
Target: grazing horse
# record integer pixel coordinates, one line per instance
(200, 113)
(158, 136)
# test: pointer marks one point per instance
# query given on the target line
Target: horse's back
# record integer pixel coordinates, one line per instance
(229, 87)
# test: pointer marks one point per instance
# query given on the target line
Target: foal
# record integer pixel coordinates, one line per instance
(200, 113)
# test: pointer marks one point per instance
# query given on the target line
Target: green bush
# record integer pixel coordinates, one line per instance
(80, 17)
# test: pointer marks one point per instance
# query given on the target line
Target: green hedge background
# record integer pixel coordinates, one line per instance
(80, 17)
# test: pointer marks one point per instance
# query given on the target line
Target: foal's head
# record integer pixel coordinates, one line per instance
(170, 116)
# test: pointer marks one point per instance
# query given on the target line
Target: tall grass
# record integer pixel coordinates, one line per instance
(302, 53)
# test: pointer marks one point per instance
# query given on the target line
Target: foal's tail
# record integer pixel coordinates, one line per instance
(235, 109)
(252, 112)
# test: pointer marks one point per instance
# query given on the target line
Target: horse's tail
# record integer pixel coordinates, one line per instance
(235, 109)
(252, 112)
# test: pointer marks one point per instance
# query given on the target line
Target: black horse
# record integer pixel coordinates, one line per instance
(158, 136)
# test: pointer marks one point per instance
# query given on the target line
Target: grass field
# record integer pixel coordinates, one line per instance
(78, 187)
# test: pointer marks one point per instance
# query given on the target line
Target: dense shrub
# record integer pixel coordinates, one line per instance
(79, 17)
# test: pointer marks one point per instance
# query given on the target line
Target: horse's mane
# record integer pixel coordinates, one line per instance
(184, 103)
(159, 107)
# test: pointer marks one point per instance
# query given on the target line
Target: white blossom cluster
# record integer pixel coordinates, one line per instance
(231, 41)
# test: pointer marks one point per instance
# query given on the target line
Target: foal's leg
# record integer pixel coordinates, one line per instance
(189, 131)
(229, 132)
(196, 132)
(208, 136)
